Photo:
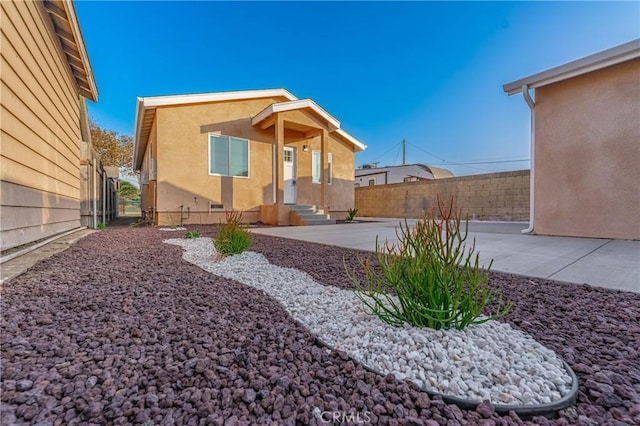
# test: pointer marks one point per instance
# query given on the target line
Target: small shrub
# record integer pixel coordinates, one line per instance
(192, 234)
(428, 278)
(351, 214)
(233, 237)
(102, 225)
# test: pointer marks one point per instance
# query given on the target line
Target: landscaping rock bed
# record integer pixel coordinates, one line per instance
(491, 361)
(119, 329)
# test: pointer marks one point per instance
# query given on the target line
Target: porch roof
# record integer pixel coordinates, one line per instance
(308, 104)
(267, 115)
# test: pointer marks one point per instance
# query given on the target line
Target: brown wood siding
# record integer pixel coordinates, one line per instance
(40, 130)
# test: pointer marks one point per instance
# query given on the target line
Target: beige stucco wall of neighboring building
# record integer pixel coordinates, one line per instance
(181, 135)
(587, 155)
(40, 131)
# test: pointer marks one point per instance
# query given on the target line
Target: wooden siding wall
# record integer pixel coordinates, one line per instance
(40, 129)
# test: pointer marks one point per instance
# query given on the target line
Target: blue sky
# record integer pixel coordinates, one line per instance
(428, 72)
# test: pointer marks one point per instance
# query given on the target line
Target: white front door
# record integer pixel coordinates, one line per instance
(289, 159)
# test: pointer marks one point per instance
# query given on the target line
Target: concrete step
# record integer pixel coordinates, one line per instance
(311, 215)
(320, 221)
(304, 208)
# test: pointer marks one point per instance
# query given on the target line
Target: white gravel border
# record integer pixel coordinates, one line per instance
(491, 361)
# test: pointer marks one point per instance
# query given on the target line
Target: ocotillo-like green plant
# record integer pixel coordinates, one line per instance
(429, 278)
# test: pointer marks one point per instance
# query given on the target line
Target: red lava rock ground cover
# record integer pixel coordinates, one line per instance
(118, 329)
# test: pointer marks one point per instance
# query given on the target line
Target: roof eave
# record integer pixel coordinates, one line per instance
(155, 101)
(597, 61)
(73, 45)
(359, 146)
(138, 146)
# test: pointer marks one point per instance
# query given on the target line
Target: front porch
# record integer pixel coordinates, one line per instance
(301, 162)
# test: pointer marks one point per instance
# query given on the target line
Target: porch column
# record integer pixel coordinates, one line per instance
(324, 143)
(278, 158)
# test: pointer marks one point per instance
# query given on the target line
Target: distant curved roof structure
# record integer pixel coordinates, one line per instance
(437, 172)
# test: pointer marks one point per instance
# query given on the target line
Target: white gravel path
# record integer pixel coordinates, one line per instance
(491, 361)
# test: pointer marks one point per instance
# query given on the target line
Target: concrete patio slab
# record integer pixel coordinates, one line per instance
(613, 264)
(615, 260)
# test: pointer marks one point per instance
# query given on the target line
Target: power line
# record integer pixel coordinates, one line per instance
(385, 153)
(460, 163)
(465, 163)
(476, 168)
(424, 150)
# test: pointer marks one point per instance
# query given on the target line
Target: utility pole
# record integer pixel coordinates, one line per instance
(404, 152)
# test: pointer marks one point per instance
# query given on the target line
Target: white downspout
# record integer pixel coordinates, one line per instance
(104, 197)
(532, 107)
(94, 195)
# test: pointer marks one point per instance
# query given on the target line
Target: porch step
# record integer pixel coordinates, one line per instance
(311, 215)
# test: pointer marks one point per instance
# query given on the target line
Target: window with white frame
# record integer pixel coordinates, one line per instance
(316, 166)
(228, 156)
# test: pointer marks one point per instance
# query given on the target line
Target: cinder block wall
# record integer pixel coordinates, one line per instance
(493, 196)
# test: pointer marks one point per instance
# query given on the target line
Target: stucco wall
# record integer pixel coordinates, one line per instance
(40, 116)
(587, 155)
(148, 188)
(493, 196)
(182, 138)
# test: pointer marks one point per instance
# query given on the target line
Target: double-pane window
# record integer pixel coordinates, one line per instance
(228, 156)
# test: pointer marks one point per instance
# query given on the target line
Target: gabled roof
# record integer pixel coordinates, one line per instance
(293, 105)
(606, 58)
(146, 108)
(65, 23)
(334, 124)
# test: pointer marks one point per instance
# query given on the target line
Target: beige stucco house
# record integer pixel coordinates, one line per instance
(263, 152)
(585, 145)
(46, 166)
